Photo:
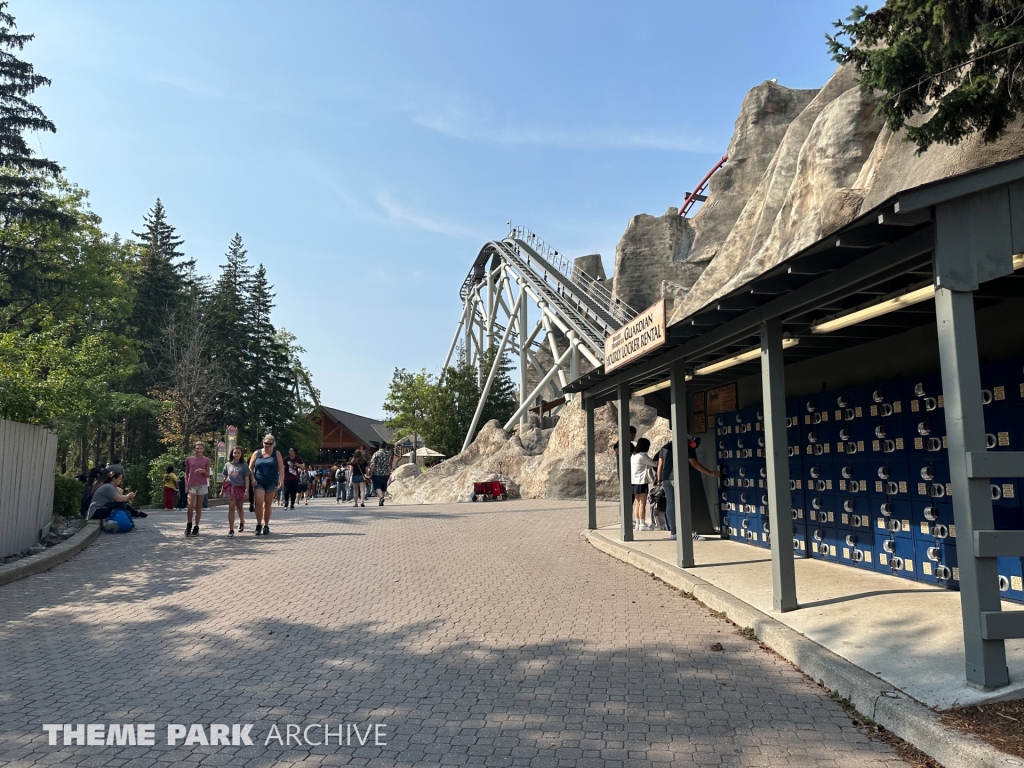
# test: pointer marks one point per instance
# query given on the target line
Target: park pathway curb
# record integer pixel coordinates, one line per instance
(873, 697)
(52, 557)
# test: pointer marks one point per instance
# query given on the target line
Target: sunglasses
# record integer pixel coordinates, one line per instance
(270, 443)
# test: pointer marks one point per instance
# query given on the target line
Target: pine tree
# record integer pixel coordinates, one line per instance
(160, 287)
(231, 336)
(24, 178)
(266, 397)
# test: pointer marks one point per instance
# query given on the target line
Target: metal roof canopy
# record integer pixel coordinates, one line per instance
(957, 237)
(883, 252)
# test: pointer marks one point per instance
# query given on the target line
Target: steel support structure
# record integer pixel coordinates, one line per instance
(588, 408)
(681, 466)
(780, 520)
(625, 475)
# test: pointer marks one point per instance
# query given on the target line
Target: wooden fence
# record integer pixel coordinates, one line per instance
(28, 455)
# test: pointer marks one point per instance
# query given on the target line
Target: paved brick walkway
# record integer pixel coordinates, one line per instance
(485, 634)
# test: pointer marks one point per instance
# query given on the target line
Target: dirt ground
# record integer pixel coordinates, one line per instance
(1000, 724)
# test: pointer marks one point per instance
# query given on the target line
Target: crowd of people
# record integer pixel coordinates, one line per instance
(270, 477)
(267, 478)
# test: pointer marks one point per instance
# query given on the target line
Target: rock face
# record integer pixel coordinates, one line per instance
(802, 164)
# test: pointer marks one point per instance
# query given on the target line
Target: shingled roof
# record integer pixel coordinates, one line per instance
(369, 431)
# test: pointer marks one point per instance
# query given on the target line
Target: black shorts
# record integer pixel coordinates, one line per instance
(380, 482)
(639, 489)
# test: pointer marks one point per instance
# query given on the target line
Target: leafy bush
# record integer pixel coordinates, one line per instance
(67, 494)
(157, 470)
(136, 478)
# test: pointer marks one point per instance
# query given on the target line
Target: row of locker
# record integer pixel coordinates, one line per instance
(931, 560)
(869, 476)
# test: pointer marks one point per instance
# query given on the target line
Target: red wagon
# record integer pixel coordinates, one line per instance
(489, 491)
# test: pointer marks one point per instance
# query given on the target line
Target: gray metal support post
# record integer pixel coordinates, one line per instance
(524, 361)
(780, 520)
(588, 407)
(625, 454)
(972, 500)
(681, 467)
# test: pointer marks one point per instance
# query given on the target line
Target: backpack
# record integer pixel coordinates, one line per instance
(122, 519)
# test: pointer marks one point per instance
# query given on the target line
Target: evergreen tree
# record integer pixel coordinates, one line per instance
(503, 397)
(24, 178)
(273, 400)
(231, 340)
(159, 287)
(955, 63)
(452, 406)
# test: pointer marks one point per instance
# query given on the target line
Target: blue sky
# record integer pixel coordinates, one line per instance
(365, 151)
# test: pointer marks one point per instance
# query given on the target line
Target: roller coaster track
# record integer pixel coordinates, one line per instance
(698, 195)
(505, 278)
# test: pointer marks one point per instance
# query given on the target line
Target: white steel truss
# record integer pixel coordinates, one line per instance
(510, 279)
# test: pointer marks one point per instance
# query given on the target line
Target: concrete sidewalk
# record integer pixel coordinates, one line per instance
(907, 633)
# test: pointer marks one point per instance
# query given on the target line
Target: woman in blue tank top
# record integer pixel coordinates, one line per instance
(267, 467)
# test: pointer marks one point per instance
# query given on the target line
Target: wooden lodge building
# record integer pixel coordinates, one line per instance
(341, 433)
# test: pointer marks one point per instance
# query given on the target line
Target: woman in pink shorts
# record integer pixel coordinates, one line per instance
(236, 481)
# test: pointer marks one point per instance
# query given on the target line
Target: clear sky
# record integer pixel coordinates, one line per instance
(366, 150)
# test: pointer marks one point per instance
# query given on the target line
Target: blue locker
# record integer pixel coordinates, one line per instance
(750, 525)
(887, 439)
(823, 541)
(727, 500)
(800, 547)
(1004, 429)
(738, 526)
(816, 441)
(895, 556)
(926, 435)
(1001, 384)
(926, 396)
(930, 480)
(848, 406)
(890, 399)
(797, 508)
(852, 442)
(937, 563)
(745, 446)
(747, 474)
(1011, 578)
(895, 517)
(856, 548)
(1004, 492)
(819, 476)
(764, 531)
(853, 514)
(850, 477)
(821, 508)
(890, 479)
(933, 520)
(815, 410)
(747, 500)
(760, 444)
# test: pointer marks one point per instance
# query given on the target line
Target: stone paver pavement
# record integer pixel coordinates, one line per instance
(486, 634)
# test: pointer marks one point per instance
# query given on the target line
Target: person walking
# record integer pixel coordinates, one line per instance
(182, 489)
(293, 467)
(197, 470)
(360, 468)
(235, 483)
(381, 461)
(170, 487)
(339, 483)
(642, 469)
(267, 467)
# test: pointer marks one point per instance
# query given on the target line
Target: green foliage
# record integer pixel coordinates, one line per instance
(158, 468)
(67, 495)
(408, 402)
(136, 478)
(957, 63)
(302, 435)
(452, 407)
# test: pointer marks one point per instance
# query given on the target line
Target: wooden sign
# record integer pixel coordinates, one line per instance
(722, 399)
(699, 402)
(640, 336)
(700, 423)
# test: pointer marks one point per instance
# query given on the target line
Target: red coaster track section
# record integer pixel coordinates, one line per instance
(698, 196)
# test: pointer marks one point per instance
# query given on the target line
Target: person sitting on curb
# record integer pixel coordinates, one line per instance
(108, 497)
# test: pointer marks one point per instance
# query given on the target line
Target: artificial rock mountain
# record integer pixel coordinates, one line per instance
(802, 164)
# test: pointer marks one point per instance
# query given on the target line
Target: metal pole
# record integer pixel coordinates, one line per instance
(588, 407)
(490, 309)
(524, 409)
(773, 385)
(625, 454)
(487, 386)
(523, 360)
(972, 500)
(455, 339)
(681, 466)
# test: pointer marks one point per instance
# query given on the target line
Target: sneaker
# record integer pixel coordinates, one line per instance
(363, 504)
(672, 537)
(195, 530)
(231, 532)
(697, 536)
(259, 530)
(188, 529)
(381, 504)
(266, 530)
(241, 527)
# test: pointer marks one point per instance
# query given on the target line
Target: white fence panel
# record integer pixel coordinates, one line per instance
(28, 455)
